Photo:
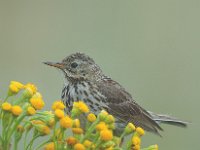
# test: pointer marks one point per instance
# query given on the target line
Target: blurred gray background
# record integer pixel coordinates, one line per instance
(151, 47)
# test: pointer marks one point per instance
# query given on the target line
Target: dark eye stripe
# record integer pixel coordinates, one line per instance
(74, 65)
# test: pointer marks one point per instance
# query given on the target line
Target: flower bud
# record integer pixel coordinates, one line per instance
(16, 110)
(6, 106)
(103, 114)
(71, 140)
(91, 117)
(129, 128)
(106, 135)
(140, 131)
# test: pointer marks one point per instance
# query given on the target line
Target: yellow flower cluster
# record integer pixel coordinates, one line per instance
(136, 139)
(79, 108)
(15, 87)
(19, 113)
(106, 135)
(49, 146)
(80, 105)
(30, 90)
(58, 105)
(16, 110)
(71, 141)
(66, 122)
(89, 131)
(31, 110)
(37, 101)
(6, 106)
(91, 117)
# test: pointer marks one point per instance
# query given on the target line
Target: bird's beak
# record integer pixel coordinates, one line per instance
(57, 65)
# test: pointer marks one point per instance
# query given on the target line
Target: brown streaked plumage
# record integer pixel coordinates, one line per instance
(84, 80)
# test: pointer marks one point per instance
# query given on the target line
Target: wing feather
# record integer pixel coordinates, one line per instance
(124, 108)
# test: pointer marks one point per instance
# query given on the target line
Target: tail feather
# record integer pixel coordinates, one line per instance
(160, 118)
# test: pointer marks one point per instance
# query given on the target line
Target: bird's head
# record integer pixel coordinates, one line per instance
(78, 66)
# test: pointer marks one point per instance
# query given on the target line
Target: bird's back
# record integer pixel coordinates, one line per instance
(122, 106)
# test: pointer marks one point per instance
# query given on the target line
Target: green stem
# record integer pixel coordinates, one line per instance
(15, 126)
(42, 144)
(90, 130)
(3, 102)
(6, 98)
(96, 138)
(122, 135)
(25, 139)
(98, 144)
(20, 100)
(15, 144)
(31, 142)
(6, 122)
(11, 120)
(1, 139)
(54, 135)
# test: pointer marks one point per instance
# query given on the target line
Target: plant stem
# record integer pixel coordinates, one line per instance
(54, 135)
(31, 142)
(15, 126)
(90, 130)
(42, 144)
(15, 144)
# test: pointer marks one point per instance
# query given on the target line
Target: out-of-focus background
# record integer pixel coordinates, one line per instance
(151, 47)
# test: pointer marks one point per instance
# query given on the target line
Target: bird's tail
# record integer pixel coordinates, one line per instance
(160, 118)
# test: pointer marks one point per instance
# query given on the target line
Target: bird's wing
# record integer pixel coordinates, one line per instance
(124, 108)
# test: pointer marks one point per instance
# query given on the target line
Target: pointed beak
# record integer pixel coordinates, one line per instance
(57, 65)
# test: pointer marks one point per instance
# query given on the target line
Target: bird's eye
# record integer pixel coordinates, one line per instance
(74, 65)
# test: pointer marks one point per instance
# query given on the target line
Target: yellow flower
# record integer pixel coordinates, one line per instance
(37, 95)
(101, 126)
(87, 143)
(129, 128)
(80, 105)
(46, 130)
(109, 119)
(58, 105)
(91, 117)
(106, 135)
(51, 122)
(79, 146)
(77, 130)
(20, 128)
(59, 113)
(43, 129)
(58, 134)
(76, 123)
(66, 122)
(32, 87)
(6, 106)
(111, 126)
(30, 90)
(71, 140)
(34, 122)
(16, 110)
(37, 102)
(136, 147)
(17, 84)
(102, 115)
(49, 146)
(136, 140)
(31, 110)
(15, 87)
(140, 131)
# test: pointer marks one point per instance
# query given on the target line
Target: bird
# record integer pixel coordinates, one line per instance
(84, 80)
